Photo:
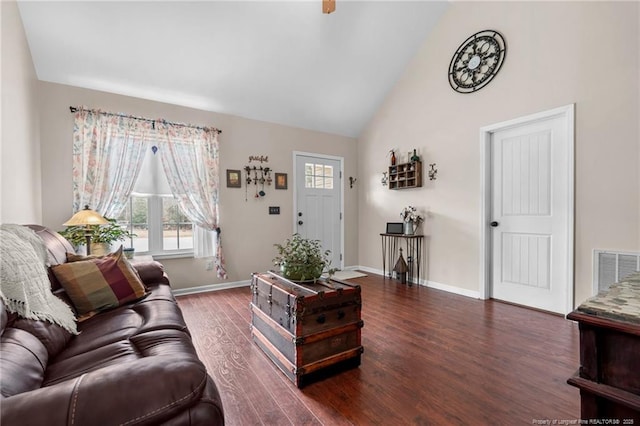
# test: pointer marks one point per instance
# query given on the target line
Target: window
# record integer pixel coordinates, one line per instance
(135, 218)
(154, 215)
(124, 172)
(177, 231)
(318, 176)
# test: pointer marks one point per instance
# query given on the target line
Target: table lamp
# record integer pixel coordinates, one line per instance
(86, 218)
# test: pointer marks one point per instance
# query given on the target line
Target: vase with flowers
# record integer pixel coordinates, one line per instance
(411, 219)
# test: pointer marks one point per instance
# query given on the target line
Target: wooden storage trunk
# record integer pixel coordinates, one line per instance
(307, 330)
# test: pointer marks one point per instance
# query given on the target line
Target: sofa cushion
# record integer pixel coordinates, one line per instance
(100, 284)
(57, 247)
(148, 391)
(173, 344)
(23, 360)
(52, 336)
(121, 324)
(150, 272)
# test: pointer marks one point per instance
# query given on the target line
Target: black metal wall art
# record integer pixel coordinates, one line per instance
(477, 61)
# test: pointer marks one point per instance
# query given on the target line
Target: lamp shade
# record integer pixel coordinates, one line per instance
(86, 217)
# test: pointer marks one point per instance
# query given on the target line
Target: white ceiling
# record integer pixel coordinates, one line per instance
(281, 62)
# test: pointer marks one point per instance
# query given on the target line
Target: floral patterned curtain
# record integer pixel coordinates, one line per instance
(108, 150)
(190, 160)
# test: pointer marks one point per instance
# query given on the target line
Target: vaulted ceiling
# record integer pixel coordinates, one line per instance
(282, 62)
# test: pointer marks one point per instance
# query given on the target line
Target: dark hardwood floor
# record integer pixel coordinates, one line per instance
(430, 358)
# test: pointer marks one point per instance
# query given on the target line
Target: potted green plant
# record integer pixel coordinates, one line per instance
(302, 259)
(101, 236)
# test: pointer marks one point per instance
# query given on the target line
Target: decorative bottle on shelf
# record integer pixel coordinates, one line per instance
(393, 158)
(414, 157)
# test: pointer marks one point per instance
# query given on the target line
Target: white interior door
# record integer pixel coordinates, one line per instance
(531, 189)
(318, 210)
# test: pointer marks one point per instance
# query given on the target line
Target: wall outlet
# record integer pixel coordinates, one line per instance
(210, 265)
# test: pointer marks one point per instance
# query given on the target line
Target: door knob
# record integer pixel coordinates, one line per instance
(299, 213)
(494, 224)
(300, 222)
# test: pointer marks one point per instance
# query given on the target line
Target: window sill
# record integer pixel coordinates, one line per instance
(169, 255)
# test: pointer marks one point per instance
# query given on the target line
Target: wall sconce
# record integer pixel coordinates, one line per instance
(352, 180)
(384, 179)
(433, 171)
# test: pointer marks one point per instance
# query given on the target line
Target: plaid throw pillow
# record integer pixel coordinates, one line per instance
(99, 284)
(72, 257)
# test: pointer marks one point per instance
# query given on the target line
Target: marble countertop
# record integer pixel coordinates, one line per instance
(620, 302)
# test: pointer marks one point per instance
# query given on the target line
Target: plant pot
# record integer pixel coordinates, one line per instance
(129, 252)
(301, 272)
(100, 249)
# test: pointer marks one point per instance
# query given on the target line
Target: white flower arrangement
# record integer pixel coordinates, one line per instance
(408, 214)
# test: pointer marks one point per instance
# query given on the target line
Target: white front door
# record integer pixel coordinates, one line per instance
(531, 197)
(318, 210)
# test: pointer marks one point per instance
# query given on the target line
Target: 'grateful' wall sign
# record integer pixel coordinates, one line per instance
(260, 158)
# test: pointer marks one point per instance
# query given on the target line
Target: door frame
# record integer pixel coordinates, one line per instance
(566, 112)
(341, 187)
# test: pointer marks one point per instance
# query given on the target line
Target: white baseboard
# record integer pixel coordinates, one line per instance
(210, 287)
(224, 286)
(367, 269)
(431, 284)
(474, 294)
(350, 268)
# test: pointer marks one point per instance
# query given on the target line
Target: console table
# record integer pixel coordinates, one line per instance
(412, 254)
(609, 374)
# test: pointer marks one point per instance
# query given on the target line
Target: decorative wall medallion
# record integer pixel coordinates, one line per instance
(477, 61)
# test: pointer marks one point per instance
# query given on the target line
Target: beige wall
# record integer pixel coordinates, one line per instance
(248, 231)
(20, 144)
(558, 53)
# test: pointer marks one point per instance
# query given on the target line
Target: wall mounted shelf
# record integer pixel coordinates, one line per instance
(405, 175)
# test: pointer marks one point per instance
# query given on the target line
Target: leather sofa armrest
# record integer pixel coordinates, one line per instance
(146, 391)
(150, 272)
(207, 412)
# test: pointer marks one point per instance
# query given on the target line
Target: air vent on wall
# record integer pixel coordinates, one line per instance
(612, 266)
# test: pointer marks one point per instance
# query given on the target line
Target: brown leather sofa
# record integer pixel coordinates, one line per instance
(135, 364)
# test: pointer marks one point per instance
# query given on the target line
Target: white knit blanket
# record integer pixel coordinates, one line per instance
(24, 284)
